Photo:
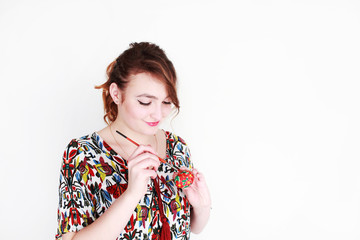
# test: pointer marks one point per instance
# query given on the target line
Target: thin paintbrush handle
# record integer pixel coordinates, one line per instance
(161, 160)
(128, 138)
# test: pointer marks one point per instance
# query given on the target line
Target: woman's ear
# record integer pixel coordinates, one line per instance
(115, 93)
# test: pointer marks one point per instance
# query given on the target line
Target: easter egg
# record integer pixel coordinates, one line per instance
(184, 178)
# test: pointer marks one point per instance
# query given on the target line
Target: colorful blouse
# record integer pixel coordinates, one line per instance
(93, 175)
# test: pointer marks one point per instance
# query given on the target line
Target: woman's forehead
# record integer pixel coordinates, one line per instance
(146, 85)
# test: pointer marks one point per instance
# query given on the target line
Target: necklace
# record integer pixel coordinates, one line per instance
(156, 143)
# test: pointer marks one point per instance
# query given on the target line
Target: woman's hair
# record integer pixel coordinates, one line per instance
(138, 58)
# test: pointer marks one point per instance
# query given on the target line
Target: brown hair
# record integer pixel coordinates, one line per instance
(139, 57)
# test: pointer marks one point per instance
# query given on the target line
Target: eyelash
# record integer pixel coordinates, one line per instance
(147, 104)
(144, 104)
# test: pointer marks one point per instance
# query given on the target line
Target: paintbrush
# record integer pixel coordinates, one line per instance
(161, 159)
(182, 179)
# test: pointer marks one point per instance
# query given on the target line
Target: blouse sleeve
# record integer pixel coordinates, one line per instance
(76, 207)
(181, 152)
(187, 155)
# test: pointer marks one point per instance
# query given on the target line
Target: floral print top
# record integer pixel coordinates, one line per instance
(93, 175)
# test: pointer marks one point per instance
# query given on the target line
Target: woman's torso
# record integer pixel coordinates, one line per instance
(93, 175)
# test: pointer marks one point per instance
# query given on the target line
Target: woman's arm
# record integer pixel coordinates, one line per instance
(111, 223)
(199, 197)
(199, 218)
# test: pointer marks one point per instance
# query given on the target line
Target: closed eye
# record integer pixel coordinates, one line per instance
(144, 103)
(166, 102)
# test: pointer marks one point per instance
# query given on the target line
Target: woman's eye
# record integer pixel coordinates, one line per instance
(144, 103)
(165, 102)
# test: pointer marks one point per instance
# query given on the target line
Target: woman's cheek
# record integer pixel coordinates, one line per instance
(166, 111)
(138, 112)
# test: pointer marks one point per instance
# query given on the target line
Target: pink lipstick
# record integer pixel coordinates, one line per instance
(153, 124)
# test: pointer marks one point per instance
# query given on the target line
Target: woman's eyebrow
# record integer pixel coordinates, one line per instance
(150, 96)
(147, 95)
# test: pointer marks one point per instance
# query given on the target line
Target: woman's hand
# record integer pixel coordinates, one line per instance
(142, 164)
(199, 197)
(198, 193)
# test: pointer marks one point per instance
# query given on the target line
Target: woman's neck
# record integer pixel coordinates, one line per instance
(142, 139)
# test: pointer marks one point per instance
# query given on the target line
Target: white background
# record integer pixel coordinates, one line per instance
(269, 95)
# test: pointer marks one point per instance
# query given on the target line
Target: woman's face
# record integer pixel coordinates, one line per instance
(146, 103)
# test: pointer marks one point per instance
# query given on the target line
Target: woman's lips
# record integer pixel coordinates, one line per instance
(153, 124)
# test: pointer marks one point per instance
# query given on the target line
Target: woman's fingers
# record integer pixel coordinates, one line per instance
(198, 175)
(150, 173)
(141, 149)
(144, 160)
(142, 165)
(147, 163)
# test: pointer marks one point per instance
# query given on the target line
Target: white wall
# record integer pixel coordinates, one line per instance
(270, 106)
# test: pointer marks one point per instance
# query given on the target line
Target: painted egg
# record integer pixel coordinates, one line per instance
(184, 178)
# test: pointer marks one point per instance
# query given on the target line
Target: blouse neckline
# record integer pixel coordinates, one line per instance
(109, 150)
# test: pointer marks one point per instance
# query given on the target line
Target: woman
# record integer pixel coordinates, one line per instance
(112, 189)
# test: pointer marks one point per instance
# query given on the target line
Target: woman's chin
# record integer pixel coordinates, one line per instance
(149, 131)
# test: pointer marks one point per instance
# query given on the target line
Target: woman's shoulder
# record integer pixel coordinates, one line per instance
(177, 150)
(77, 141)
(85, 143)
(172, 137)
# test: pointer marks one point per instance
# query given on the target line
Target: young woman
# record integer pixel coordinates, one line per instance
(112, 189)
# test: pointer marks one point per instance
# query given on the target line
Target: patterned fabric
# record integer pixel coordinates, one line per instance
(92, 176)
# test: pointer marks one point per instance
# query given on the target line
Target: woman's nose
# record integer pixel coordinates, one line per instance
(157, 113)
